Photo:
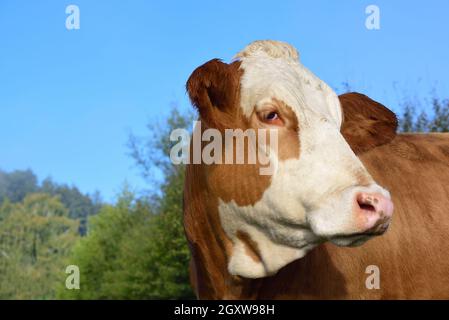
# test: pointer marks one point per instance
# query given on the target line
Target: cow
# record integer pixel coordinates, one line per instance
(322, 224)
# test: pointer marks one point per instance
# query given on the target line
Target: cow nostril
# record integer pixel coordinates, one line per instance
(365, 202)
(366, 206)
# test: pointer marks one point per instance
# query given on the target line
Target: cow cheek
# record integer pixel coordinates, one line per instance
(241, 183)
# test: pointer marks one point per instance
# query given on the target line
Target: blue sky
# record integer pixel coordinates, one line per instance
(69, 98)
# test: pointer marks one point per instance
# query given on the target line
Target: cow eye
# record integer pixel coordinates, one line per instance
(272, 116)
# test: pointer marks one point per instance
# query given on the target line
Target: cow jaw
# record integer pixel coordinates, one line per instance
(259, 253)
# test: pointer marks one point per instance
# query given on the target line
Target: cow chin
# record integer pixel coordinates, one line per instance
(356, 239)
(351, 240)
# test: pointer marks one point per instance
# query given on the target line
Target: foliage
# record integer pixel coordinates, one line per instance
(137, 248)
(80, 206)
(170, 258)
(151, 153)
(36, 236)
(97, 254)
(16, 185)
(436, 121)
(154, 257)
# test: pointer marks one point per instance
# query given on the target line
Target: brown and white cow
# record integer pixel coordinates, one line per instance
(339, 158)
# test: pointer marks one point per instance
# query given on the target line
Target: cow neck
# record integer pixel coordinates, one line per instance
(210, 246)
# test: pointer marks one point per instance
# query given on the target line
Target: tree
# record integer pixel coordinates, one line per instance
(36, 236)
(171, 263)
(137, 249)
(80, 206)
(406, 122)
(16, 185)
(438, 121)
(97, 254)
(422, 122)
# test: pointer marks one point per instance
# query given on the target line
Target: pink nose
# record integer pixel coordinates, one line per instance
(374, 212)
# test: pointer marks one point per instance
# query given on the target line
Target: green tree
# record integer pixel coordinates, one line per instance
(438, 121)
(17, 184)
(136, 249)
(36, 237)
(158, 267)
(98, 253)
(170, 258)
(406, 123)
(422, 122)
(80, 206)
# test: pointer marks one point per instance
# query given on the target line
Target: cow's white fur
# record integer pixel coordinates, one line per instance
(272, 70)
(309, 199)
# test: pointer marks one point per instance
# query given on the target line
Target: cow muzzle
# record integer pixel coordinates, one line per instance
(369, 214)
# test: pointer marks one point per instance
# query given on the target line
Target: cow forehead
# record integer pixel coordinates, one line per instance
(273, 70)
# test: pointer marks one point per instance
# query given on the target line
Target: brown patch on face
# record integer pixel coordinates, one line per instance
(243, 183)
(251, 247)
(366, 123)
(289, 143)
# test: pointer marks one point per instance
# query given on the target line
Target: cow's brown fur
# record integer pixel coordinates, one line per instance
(366, 123)
(214, 89)
(251, 247)
(415, 168)
(412, 255)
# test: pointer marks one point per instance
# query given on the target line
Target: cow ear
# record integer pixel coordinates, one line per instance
(214, 89)
(366, 123)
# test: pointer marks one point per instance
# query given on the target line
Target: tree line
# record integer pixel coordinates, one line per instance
(415, 118)
(16, 185)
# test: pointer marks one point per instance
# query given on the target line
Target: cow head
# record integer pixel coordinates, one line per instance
(320, 191)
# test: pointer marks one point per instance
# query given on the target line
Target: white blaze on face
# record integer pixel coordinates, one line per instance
(309, 198)
(272, 70)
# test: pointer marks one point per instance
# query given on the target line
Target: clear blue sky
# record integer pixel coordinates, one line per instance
(68, 99)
